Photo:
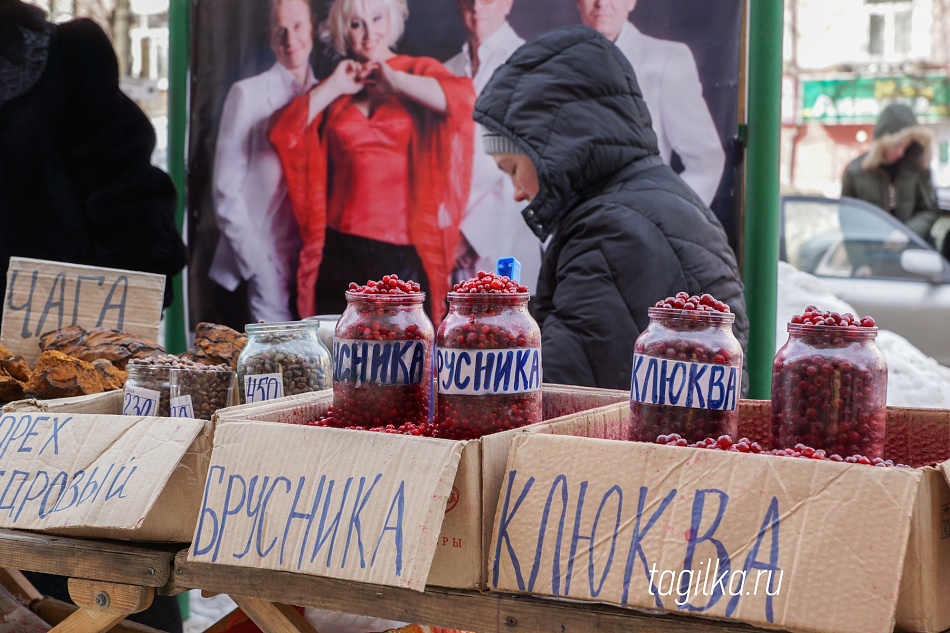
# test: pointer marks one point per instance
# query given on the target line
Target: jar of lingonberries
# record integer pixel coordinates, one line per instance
(282, 359)
(687, 371)
(487, 360)
(829, 386)
(382, 356)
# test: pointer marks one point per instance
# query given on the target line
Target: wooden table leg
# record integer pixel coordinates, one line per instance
(102, 605)
(273, 617)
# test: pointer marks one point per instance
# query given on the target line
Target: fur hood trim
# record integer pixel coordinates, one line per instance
(919, 133)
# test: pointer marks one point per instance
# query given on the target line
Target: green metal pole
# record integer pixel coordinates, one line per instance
(179, 39)
(760, 236)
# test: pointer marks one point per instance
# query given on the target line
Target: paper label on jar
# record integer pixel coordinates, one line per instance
(261, 387)
(182, 407)
(683, 384)
(379, 362)
(140, 401)
(488, 372)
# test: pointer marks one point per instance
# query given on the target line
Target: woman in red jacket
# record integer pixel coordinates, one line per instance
(378, 162)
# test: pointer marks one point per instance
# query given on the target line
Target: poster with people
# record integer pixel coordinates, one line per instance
(332, 141)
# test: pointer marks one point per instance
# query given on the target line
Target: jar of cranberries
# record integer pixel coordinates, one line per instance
(687, 371)
(829, 386)
(282, 359)
(487, 360)
(382, 356)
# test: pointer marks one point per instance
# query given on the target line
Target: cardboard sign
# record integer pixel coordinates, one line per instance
(327, 502)
(62, 470)
(788, 543)
(44, 296)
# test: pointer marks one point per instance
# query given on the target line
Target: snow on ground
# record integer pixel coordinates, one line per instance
(914, 380)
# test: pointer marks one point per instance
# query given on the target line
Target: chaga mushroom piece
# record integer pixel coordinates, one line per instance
(5, 352)
(60, 376)
(115, 346)
(10, 388)
(16, 367)
(111, 376)
(216, 345)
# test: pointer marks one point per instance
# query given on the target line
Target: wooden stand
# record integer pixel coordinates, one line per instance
(111, 580)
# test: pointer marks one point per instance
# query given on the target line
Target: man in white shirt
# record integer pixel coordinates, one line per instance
(492, 226)
(260, 241)
(667, 74)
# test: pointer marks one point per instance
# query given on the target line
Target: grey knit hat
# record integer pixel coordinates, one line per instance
(495, 143)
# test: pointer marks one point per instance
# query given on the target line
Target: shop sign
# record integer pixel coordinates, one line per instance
(860, 100)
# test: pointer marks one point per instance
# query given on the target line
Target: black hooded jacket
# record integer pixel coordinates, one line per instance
(627, 231)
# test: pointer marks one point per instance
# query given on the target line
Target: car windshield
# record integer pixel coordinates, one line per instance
(833, 238)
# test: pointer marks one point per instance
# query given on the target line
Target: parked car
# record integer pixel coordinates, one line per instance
(875, 263)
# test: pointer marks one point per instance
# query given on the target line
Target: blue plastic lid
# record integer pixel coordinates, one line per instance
(509, 267)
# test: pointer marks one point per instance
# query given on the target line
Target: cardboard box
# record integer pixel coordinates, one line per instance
(99, 475)
(850, 547)
(464, 527)
(107, 402)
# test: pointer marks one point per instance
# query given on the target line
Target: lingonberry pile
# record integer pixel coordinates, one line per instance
(424, 429)
(483, 387)
(725, 443)
(829, 385)
(488, 282)
(388, 285)
(814, 316)
(683, 301)
(382, 356)
(674, 388)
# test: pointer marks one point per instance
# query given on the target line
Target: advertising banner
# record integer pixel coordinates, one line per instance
(305, 173)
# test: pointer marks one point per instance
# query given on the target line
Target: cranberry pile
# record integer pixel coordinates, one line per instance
(386, 310)
(829, 385)
(487, 282)
(814, 316)
(487, 312)
(683, 301)
(692, 329)
(725, 443)
(388, 285)
(424, 429)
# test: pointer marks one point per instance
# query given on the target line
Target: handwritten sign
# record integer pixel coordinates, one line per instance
(43, 296)
(140, 401)
(682, 384)
(488, 372)
(379, 362)
(182, 407)
(752, 537)
(262, 387)
(326, 502)
(106, 471)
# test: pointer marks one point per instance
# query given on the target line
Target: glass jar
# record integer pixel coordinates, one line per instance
(146, 389)
(199, 392)
(282, 359)
(829, 390)
(487, 366)
(382, 361)
(687, 373)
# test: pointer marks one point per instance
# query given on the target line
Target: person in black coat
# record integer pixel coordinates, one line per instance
(76, 181)
(565, 118)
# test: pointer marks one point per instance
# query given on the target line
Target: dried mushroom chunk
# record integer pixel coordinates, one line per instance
(60, 376)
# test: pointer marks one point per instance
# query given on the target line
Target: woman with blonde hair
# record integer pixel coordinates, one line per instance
(378, 162)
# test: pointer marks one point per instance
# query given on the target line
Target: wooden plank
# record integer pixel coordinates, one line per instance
(110, 561)
(272, 617)
(110, 597)
(451, 608)
(16, 583)
(55, 611)
(85, 621)
(223, 623)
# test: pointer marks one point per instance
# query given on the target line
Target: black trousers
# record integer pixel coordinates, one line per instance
(349, 258)
(163, 615)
